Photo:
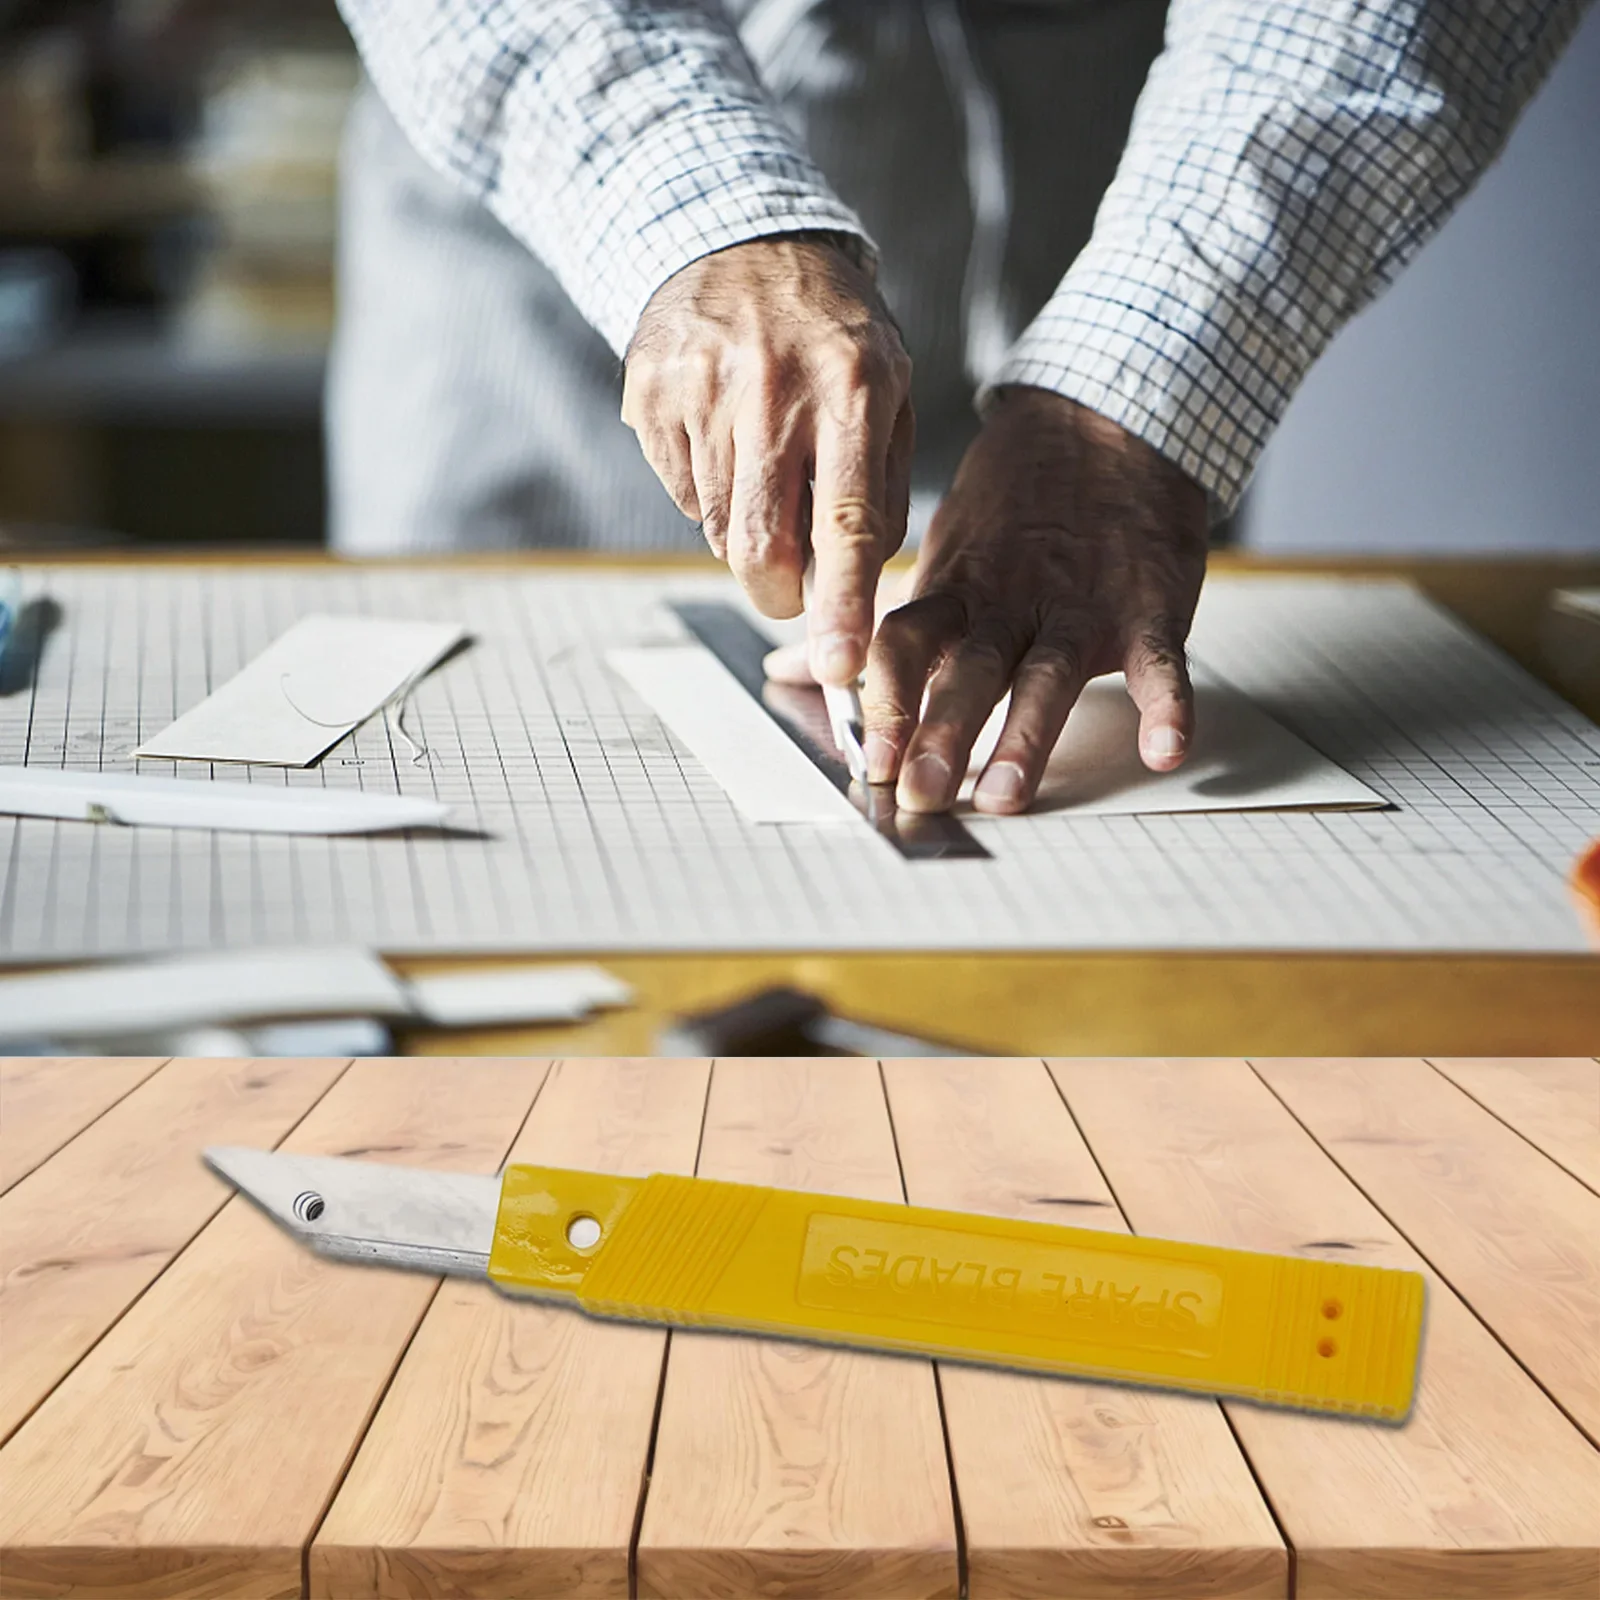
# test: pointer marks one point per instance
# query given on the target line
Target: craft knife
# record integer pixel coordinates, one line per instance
(846, 720)
(1327, 1336)
(848, 725)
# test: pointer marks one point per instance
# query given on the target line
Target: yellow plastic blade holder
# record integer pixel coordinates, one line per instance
(1319, 1335)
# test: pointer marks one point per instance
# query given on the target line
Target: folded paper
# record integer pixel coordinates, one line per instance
(307, 690)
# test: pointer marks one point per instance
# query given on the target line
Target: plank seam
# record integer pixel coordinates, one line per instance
(1556, 1161)
(343, 1474)
(340, 1477)
(962, 1577)
(661, 1377)
(183, 1249)
(1444, 1280)
(51, 1154)
(549, 1072)
(1292, 1562)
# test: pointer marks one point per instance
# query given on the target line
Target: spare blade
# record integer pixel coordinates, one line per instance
(354, 1210)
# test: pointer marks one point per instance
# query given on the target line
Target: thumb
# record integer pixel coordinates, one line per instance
(789, 664)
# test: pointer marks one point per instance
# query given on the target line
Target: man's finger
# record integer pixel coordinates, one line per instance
(711, 463)
(1044, 688)
(848, 544)
(908, 643)
(1158, 683)
(964, 689)
(766, 543)
(663, 439)
(897, 480)
(667, 451)
(790, 664)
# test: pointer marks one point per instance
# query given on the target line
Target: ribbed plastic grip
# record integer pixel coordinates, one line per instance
(1328, 1336)
(670, 1249)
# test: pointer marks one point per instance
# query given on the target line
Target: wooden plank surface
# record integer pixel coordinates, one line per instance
(1069, 1488)
(257, 1418)
(1516, 1237)
(786, 1469)
(1553, 1102)
(82, 1236)
(1486, 1490)
(193, 1451)
(508, 1457)
(45, 1101)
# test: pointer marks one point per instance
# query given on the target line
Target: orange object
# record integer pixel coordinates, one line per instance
(1586, 885)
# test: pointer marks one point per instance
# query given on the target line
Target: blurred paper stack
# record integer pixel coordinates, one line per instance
(266, 155)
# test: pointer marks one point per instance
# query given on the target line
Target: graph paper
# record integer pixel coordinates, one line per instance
(585, 827)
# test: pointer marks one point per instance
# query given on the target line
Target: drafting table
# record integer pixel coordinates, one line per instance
(193, 1405)
(1500, 968)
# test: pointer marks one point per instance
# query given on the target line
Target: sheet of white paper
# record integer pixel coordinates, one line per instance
(1241, 760)
(762, 771)
(140, 800)
(306, 691)
(585, 827)
(193, 991)
(529, 994)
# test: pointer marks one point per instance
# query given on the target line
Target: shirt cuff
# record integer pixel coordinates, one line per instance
(669, 206)
(1168, 352)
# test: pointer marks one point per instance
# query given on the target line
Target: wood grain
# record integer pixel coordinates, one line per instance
(1069, 1488)
(46, 1100)
(193, 1450)
(1486, 1490)
(1516, 1237)
(1553, 1102)
(82, 1236)
(786, 1469)
(508, 1457)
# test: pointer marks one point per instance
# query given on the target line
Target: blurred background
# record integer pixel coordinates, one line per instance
(167, 210)
(167, 204)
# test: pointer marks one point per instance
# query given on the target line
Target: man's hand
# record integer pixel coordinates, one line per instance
(770, 391)
(1065, 549)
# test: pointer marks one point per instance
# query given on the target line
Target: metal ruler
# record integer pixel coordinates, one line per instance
(800, 714)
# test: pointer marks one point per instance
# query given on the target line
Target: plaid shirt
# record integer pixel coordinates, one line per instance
(1287, 158)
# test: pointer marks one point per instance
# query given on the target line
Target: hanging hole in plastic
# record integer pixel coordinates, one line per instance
(583, 1232)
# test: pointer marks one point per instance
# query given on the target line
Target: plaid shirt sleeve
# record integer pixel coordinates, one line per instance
(1286, 160)
(618, 139)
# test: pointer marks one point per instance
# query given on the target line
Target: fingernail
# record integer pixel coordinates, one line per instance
(1164, 742)
(1000, 786)
(835, 657)
(925, 782)
(880, 758)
